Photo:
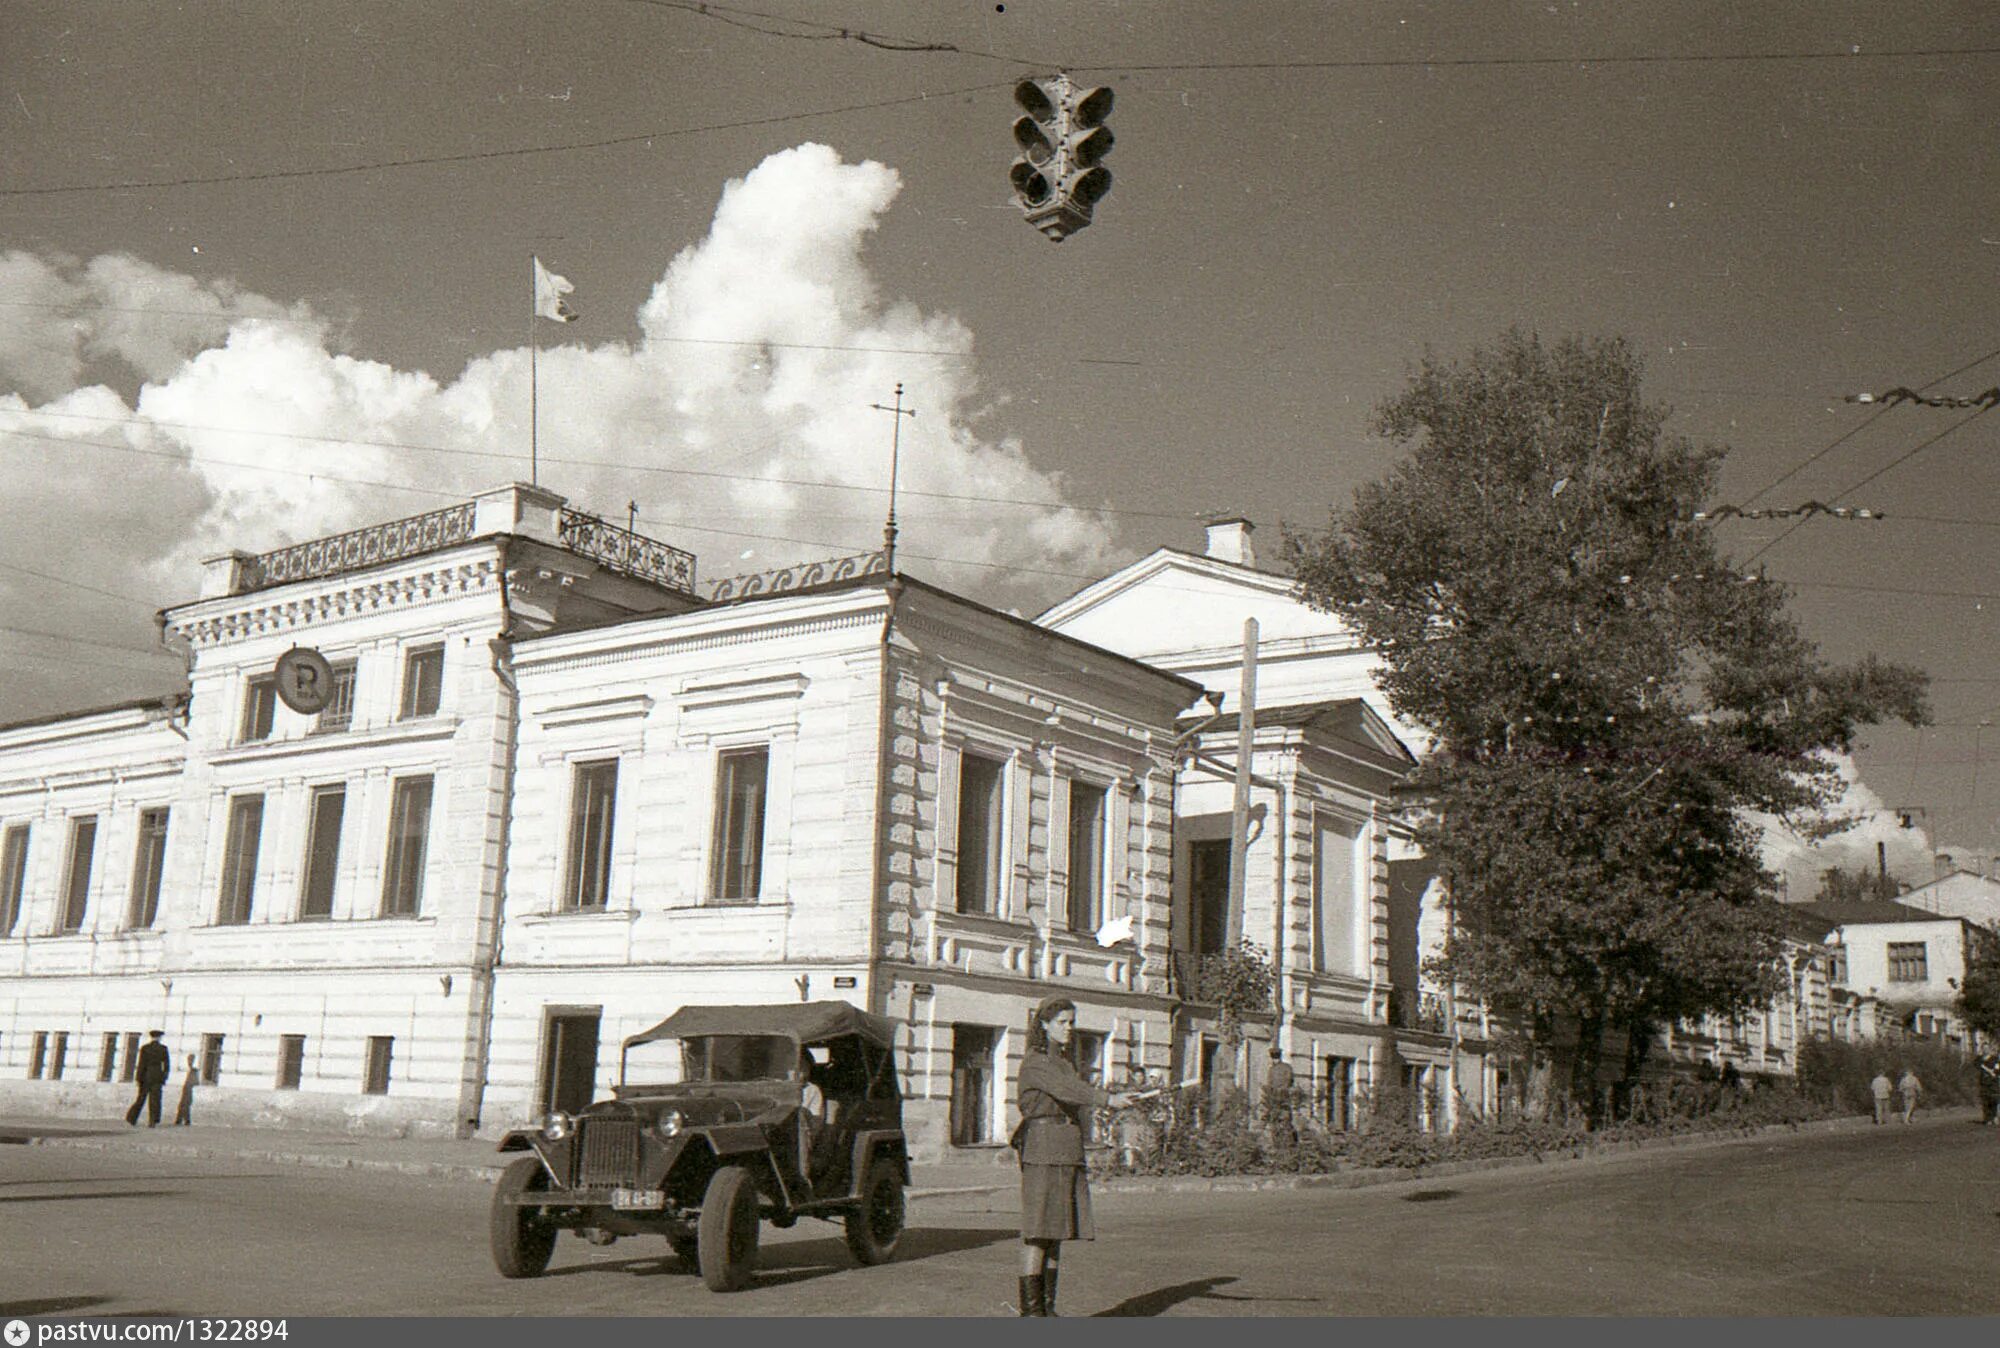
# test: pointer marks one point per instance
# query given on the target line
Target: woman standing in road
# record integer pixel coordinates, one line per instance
(1055, 1195)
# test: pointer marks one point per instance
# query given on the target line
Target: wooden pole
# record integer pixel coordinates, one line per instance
(1239, 814)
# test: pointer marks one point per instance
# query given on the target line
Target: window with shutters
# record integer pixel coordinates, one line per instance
(1086, 856)
(737, 873)
(1909, 962)
(328, 812)
(592, 804)
(149, 869)
(423, 682)
(76, 887)
(13, 875)
(409, 833)
(981, 842)
(239, 860)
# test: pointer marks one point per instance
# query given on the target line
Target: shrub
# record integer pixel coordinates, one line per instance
(1836, 1072)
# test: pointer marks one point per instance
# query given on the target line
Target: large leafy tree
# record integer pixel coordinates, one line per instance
(1605, 696)
(1979, 997)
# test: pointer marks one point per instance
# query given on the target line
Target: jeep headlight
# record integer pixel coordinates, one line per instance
(558, 1126)
(670, 1123)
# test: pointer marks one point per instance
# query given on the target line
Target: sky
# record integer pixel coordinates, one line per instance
(264, 275)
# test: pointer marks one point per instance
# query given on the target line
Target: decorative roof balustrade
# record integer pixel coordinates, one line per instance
(800, 576)
(623, 551)
(377, 543)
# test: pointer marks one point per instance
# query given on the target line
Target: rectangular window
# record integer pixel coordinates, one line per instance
(59, 1058)
(107, 1055)
(1086, 856)
(738, 871)
(260, 706)
(211, 1059)
(339, 711)
(149, 868)
(381, 1048)
(1337, 1094)
(291, 1061)
(38, 1055)
(423, 682)
(1837, 960)
(1909, 962)
(130, 1071)
(329, 809)
(593, 798)
(972, 1084)
(981, 847)
(76, 890)
(13, 876)
(239, 860)
(1208, 891)
(1335, 846)
(409, 833)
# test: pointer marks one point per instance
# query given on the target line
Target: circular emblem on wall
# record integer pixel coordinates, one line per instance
(305, 680)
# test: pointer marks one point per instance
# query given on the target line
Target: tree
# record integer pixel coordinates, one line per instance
(1604, 694)
(1858, 886)
(1979, 994)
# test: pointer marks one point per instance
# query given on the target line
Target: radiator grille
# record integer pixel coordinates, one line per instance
(607, 1152)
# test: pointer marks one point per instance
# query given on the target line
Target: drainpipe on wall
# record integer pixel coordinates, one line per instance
(486, 963)
(1281, 983)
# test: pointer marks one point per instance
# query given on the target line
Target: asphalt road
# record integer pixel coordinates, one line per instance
(1887, 1221)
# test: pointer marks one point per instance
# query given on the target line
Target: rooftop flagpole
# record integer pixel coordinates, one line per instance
(895, 465)
(534, 379)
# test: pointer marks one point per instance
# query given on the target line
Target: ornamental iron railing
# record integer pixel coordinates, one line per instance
(1418, 1011)
(800, 576)
(410, 537)
(628, 553)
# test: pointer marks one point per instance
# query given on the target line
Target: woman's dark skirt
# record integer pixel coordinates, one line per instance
(1055, 1203)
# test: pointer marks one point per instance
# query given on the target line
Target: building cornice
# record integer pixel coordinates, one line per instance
(215, 622)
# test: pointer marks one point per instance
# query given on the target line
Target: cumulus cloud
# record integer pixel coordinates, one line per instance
(740, 421)
(1907, 851)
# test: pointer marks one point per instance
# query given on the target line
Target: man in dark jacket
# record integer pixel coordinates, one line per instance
(155, 1065)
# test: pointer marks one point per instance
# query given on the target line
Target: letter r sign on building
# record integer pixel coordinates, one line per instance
(305, 680)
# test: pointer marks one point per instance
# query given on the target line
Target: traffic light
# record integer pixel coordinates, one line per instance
(1060, 175)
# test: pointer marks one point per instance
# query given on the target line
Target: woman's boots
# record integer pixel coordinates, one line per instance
(1032, 1294)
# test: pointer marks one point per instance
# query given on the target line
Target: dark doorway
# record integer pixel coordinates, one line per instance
(1208, 892)
(569, 1060)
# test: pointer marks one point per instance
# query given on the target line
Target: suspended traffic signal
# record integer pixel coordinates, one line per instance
(1060, 176)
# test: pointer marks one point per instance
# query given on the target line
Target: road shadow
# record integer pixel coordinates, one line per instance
(1430, 1195)
(50, 1183)
(801, 1261)
(1166, 1298)
(49, 1305)
(79, 1198)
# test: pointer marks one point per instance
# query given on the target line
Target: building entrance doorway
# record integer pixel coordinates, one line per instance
(569, 1058)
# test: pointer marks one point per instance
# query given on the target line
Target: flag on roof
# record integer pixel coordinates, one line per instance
(549, 291)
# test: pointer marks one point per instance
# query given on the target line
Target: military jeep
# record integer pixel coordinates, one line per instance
(707, 1133)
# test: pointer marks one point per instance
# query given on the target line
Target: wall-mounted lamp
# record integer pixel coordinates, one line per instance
(445, 983)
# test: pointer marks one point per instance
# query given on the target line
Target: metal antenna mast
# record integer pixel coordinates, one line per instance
(895, 465)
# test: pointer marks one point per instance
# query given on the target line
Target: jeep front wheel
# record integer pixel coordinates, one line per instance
(728, 1230)
(875, 1228)
(522, 1241)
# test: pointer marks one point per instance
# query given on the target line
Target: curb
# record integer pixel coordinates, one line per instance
(1172, 1184)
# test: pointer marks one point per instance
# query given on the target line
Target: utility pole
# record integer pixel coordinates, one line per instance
(1239, 813)
(895, 465)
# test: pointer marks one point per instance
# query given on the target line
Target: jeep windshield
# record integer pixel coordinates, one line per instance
(712, 1059)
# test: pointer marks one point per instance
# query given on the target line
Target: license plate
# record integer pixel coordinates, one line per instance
(650, 1200)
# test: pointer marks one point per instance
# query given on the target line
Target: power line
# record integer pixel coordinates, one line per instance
(479, 156)
(1425, 63)
(828, 32)
(619, 464)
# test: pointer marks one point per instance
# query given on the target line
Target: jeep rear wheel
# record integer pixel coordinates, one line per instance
(522, 1241)
(875, 1228)
(728, 1231)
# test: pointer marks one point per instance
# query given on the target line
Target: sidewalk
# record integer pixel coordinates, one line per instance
(476, 1160)
(473, 1159)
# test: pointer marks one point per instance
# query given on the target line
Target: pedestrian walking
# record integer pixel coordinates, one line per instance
(1909, 1088)
(1989, 1087)
(1055, 1193)
(184, 1111)
(1882, 1088)
(155, 1066)
(1278, 1101)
